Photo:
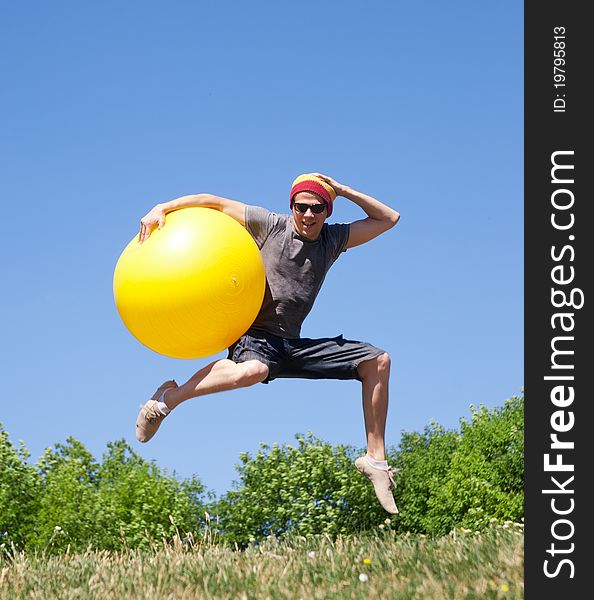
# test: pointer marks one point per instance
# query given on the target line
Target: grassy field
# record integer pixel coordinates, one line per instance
(462, 565)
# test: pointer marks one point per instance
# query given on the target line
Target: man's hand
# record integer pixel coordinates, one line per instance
(337, 187)
(155, 218)
(380, 217)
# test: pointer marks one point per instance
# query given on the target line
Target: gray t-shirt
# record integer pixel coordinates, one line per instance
(295, 268)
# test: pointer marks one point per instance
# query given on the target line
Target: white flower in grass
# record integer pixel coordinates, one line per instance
(311, 554)
(57, 529)
(363, 577)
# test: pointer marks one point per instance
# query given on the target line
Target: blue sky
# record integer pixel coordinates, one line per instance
(108, 108)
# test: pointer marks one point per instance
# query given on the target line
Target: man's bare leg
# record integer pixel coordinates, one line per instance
(219, 376)
(375, 375)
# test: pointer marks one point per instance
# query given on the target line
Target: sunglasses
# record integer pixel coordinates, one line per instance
(315, 208)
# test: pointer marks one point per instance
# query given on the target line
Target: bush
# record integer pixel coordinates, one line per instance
(464, 479)
(447, 479)
(138, 504)
(486, 477)
(72, 501)
(68, 500)
(424, 460)
(309, 489)
(19, 493)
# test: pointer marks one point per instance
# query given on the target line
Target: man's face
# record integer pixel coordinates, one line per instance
(308, 224)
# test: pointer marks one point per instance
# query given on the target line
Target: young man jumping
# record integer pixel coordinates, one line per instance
(297, 250)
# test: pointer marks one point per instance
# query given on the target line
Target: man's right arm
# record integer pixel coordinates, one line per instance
(155, 218)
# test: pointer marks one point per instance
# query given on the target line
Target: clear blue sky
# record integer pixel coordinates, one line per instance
(108, 108)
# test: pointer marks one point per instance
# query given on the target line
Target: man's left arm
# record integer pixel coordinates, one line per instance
(380, 217)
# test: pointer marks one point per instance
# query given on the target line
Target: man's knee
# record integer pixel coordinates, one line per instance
(384, 362)
(251, 372)
(376, 367)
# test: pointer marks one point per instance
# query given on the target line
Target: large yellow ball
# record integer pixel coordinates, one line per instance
(193, 287)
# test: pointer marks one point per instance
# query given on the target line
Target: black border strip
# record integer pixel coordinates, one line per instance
(554, 119)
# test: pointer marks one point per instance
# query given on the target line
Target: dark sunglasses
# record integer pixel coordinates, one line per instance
(315, 208)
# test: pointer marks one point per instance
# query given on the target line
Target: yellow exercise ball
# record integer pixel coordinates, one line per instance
(193, 287)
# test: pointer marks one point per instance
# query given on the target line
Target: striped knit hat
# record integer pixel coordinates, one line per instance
(311, 183)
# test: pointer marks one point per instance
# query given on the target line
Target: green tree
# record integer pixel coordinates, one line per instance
(447, 479)
(464, 479)
(308, 489)
(122, 502)
(424, 460)
(68, 504)
(486, 477)
(20, 486)
(139, 504)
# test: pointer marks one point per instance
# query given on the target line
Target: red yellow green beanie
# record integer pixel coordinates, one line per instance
(311, 183)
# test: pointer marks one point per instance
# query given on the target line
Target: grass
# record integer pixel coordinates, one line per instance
(461, 565)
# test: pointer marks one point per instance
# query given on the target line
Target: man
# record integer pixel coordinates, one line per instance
(297, 250)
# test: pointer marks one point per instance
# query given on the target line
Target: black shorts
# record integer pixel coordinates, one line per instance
(324, 358)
